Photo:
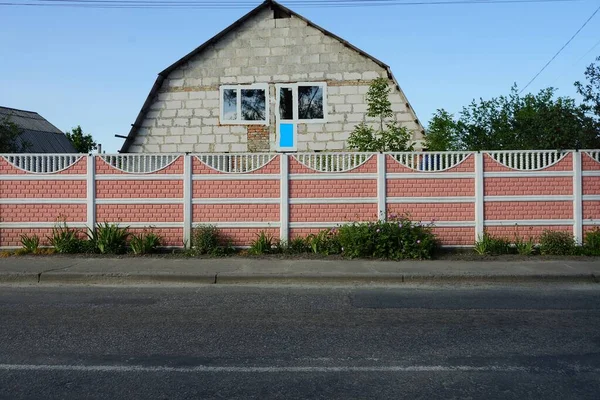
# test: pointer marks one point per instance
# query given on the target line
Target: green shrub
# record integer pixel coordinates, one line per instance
(396, 239)
(30, 243)
(525, 247)
(490, 245)
(206, 239)
(264, 244)
(591, 244)
(557, 243)
(298, 245)
(109, 238)
(326, 242)
(144, 243)
(65, 240)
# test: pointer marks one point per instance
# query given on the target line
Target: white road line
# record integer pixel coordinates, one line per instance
(271, 369)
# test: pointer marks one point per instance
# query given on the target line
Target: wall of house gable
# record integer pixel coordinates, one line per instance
(184, 116)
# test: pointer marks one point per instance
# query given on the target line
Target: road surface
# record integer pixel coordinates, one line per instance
(537, 342)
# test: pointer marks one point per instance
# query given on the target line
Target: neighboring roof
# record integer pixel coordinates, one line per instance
(41, 135)
(266, 4)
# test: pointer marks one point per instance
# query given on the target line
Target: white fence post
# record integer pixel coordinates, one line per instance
(577, 198)
(479, 196)
(187, 201)
(91, 191)
(381, 187)
(284, 196)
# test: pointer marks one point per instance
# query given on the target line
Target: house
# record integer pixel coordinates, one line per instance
(272, 81)
(38, 135)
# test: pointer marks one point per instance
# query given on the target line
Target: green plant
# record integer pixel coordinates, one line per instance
(390, 136)
(557, 243)
(263, 244)
(325, 242)
(395, 239)
(298, 245)
(591, 243)
(109, 238)
(490, 245)
(144, 243)
(524, 247)
(65, 240)
(205, 240)
(30, 243)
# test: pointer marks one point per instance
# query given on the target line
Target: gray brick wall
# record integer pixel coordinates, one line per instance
(184, 116)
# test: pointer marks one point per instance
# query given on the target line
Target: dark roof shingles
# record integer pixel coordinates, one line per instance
(41, 135)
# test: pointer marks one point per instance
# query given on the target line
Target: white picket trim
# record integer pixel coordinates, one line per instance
(332, 162)
(139, 163)
(241, 163)
(527, 160)
(430, 161)
(42, 163)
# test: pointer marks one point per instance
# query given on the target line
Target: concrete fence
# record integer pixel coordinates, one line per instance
(459, 193)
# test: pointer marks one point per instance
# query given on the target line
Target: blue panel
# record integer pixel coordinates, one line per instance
(286, 135)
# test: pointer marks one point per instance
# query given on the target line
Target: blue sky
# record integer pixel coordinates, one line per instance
(95, 67)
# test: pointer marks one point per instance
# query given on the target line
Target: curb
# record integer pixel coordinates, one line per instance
(238, 278)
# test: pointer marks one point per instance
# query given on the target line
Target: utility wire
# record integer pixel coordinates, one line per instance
(561, 49)
(576, 62)
(142, 4)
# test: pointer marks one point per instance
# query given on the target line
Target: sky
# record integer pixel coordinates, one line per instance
(95, 67)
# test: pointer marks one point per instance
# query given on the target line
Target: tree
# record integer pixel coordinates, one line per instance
(517, 122)
(442, 132)
(9, 137)
(591, 90)
(83, 143)
(390, 136)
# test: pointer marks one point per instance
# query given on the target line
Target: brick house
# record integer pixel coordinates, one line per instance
(272, 81)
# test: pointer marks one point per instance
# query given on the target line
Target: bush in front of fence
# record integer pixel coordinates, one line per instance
(395, 239)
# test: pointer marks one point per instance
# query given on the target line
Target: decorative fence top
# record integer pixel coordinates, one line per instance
(139, 163)
(529, 160)
(236, 163)
(42, 163)
(595, 154)
(430, 162)
(332, 162)
(523, 160)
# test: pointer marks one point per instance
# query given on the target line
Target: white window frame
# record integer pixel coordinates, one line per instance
(294, 87)
(239, 120)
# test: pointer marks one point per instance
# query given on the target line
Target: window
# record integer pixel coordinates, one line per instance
(244, 104)
(302, 102)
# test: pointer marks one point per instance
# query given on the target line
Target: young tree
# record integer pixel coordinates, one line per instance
(9, 137)
(83, 143)
(442, 132)
(591, 90)
(390, 136)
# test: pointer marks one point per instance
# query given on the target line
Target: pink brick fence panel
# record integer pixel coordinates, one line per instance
(460, 194)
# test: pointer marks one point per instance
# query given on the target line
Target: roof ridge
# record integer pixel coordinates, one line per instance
(18, 109)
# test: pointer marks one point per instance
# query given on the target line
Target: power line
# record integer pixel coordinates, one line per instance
(241, 4)
(561, 49)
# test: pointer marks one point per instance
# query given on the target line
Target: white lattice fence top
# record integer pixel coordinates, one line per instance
(430, 162)
(527, 160)
(42, 163)
(332, 162)
(139, 163)
(236, 163)
(595, 154)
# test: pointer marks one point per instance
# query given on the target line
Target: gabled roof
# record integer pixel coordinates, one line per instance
(273, 5)
(40, 135)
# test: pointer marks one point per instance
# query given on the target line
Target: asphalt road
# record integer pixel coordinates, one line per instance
(228, 342)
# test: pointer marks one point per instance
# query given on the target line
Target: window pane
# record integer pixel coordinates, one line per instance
(310, 102)
(229, 104)
(253, 105)
(285, 103)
